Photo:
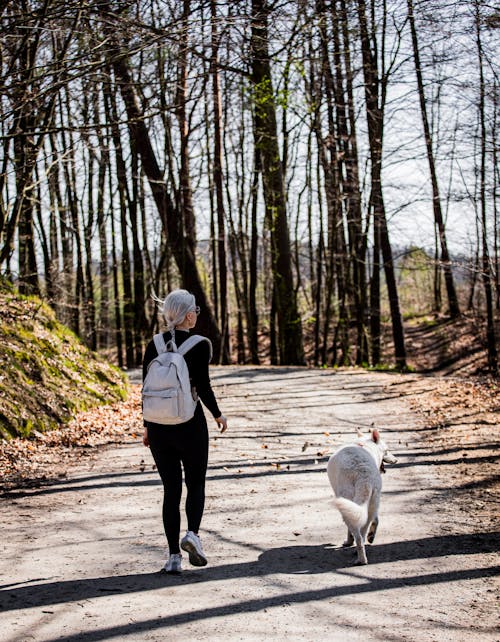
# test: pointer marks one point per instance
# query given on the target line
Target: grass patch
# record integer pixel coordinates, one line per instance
(46, 374)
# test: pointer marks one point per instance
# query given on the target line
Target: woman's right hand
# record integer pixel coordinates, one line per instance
(222, 421)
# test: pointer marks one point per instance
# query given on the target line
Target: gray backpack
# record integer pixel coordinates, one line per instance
(167, 397)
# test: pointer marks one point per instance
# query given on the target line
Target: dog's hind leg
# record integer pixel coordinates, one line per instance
(355, 517)
(350, 539)
(360, 536)
(360, 545)
(373, 516)
(372, 530)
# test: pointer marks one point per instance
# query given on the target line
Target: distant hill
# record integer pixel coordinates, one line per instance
(46, 374)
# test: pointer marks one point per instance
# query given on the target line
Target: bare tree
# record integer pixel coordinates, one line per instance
(486, 268)
(266, 141)
(375, 96)
(453, 306)
(219, 187)
(168, 212)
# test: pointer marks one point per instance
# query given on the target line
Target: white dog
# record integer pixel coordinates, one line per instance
(354, 473)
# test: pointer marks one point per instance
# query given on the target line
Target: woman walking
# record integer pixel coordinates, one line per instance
(183, 446)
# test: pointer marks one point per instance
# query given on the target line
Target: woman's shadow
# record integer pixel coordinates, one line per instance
(295, 559)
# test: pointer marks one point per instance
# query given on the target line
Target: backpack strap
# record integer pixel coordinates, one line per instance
(160, 344)
(193, 340)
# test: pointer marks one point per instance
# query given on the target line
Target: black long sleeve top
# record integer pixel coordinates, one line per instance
(197, 360)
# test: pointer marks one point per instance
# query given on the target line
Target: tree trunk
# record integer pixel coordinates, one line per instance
(44, 238)
(188, 234)
(72, 218)
(104, 276)
(266, 141)
(375, 101)
(486, 268)
(253, 316)
(358, 242)
(453, 306)
(320, 252)
(88, 230)
(496, 223)
(223, 357)
(169, 214)
(116, 292)
(24, 161)
(124, 205)
(139, 302)
(375, 296)
(52, 176)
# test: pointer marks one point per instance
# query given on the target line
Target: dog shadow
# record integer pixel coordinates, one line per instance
(299, 559)
(327, 557)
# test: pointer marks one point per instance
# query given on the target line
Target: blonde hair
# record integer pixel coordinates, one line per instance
(175, 306)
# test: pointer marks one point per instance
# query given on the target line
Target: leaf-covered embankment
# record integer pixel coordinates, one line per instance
(46, 374)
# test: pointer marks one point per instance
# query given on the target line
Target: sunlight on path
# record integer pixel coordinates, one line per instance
(80, 559)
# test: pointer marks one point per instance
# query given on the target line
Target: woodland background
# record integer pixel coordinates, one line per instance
(320, 174)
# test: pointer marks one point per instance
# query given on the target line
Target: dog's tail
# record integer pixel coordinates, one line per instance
(354, 515)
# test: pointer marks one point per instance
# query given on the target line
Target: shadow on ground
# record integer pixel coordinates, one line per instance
(299, 559)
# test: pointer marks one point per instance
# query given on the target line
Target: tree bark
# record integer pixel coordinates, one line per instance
(139, 297)
(224, 356)
(124, 206)
(453, 306)
(253, 316)
(266, 141)
(375, 90)
(187, 220)
(104, 319)
(169, 214)
(486, 268)
(358, 237)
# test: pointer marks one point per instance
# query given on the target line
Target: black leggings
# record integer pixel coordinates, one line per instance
(173, 448)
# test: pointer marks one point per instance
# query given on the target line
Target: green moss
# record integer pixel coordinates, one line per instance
(46, 374)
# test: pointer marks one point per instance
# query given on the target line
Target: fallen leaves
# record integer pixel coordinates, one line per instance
(461, 430)
(453, 402)
(45, 455)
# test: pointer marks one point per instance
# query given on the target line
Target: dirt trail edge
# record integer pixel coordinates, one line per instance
(80, 558)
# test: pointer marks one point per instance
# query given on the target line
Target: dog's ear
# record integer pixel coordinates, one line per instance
(375, 435)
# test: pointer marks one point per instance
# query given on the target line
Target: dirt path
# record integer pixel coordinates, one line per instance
(80, 558)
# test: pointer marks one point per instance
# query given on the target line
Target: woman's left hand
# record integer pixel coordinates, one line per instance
(222, 421)
(145, 439)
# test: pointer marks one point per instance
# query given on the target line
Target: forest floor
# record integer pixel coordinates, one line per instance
(82, 536)
(438, 344)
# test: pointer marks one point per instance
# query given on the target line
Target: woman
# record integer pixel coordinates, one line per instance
(183, 446)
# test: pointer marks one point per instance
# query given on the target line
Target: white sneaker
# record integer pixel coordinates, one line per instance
(173, 564)
(192, 545)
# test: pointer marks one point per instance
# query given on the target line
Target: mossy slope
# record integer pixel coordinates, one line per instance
(46, 373)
